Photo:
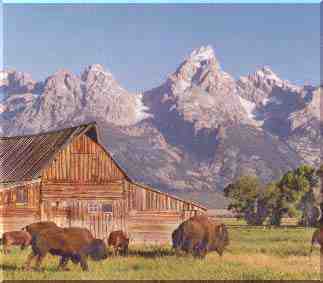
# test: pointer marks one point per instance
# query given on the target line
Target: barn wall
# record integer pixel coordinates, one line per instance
(15, 213)
(113, 190)
(80, 213)
(153, 215)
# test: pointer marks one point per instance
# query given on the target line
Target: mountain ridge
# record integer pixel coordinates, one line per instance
(191, 135)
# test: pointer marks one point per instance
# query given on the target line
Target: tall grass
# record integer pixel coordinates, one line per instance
(253, 254)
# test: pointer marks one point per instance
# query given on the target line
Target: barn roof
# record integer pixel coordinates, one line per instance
(22, 158)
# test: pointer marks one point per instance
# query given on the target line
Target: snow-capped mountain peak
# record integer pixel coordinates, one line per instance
(267, 74)
(204, 53)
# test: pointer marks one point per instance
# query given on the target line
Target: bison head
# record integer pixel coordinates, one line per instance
(176, 238)
(97, 250)
(222, 236)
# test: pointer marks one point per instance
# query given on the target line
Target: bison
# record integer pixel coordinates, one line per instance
(74, 244)
(18, 238)
(317, 238)
(199, 235)
(37, 227)
(119, 241)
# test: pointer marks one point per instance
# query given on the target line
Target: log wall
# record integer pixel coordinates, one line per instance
(15, 213)
(82, 162)
(154, 215)
(80, 213)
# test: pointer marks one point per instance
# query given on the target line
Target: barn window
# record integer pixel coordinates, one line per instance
(107, 208)
(94, 207)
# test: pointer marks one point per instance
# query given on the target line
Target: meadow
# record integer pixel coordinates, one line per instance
(253, 254)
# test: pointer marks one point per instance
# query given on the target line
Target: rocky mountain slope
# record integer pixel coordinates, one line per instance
(191, 135)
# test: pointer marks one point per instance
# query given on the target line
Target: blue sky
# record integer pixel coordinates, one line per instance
(142, 44)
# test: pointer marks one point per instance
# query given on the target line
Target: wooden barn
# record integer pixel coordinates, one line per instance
(67, 176)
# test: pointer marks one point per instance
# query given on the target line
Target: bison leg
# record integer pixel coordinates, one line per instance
(311, 250)
(23, 246)
(115, 251)
(178, 252)
(28, 261)
(199, 250)
(39, 261)
(83, 263)
(5, 249)
(126, 251)
(6, 245)
(62, 263)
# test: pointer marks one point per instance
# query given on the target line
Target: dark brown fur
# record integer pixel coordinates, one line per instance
(37, 227)
(317, 238)
(69, 243)
(119, 242)
(199, 235)
(17, 238)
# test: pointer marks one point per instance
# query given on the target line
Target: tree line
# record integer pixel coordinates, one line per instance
(295, 194)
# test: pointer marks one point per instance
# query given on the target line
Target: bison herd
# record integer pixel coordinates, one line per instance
(196, 236)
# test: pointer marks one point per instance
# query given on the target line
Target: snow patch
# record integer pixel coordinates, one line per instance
(249, 107)
(172, 107)
(267, 73)
(265, 101)
(140, 109)
(271, 100)
(204, 53)
(2, 108)
(276, 100)
(182, 85)
(3, 76)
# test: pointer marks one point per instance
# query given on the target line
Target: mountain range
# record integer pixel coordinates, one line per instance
(190, 136)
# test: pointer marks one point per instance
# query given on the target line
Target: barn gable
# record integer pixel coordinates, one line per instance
(83, 161)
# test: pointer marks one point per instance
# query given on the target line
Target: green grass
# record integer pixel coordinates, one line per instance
(254, 253)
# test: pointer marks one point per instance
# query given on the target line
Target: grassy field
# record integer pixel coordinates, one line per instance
(254, 253)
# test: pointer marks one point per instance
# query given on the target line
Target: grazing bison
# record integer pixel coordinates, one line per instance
(37, 227)
(17, 238)
(73, 243)
(119, 241)
(317, 238)
(199, 235)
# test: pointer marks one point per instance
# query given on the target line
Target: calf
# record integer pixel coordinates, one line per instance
(18, 238)
(119, 242)
(73, 243)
